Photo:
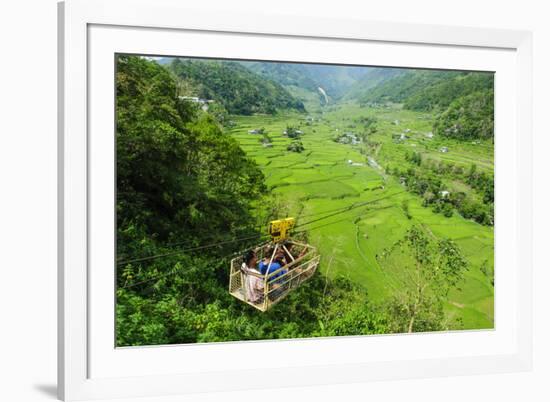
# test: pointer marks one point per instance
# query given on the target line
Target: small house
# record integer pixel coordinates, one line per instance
(195, 99)
(444, 149)
(190, 98)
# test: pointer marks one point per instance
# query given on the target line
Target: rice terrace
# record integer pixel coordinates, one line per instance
(386, 174)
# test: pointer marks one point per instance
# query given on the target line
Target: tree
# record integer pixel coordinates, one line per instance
(488, 271)
(405, 207)
(293, 132)
(427, 268)
(447, 209)
(295, 146)
(415, 158)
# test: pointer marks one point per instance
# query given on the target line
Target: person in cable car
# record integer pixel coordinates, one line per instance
(276, 264)
(254, 284)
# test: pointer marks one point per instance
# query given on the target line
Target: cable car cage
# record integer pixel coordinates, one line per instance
(263, 291)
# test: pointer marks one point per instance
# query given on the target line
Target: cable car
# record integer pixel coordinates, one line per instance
(262, 291)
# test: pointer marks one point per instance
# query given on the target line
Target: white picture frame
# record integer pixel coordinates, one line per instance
(91, 32)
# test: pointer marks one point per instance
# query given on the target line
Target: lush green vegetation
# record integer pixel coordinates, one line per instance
(407, 85)
(442, 93)
(233, 86)
(468, 117)
(464, 101)
(196, 192)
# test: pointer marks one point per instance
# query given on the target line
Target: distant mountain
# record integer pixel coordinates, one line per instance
(463, 101)
(286, 74)
(372, 78)
(424, 90)
(468, 117)
(334, 80)
(406, 85)
(237, 88)
(441, 94)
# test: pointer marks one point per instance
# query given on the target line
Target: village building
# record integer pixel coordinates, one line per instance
(195, 99)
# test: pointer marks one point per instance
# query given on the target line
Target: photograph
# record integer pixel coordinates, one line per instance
(262, 200)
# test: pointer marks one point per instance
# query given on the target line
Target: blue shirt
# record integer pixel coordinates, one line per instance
(274, 266)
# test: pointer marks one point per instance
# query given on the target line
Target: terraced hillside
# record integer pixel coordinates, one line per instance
(328, 176)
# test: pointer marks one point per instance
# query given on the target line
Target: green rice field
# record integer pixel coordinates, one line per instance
(329, 176)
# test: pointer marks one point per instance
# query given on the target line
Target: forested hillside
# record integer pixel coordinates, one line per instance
(406, 85)
(441, 94)
(468, 117)
(239, 90)
(462, 101)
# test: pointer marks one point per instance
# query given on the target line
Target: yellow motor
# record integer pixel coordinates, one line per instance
(279, 229)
